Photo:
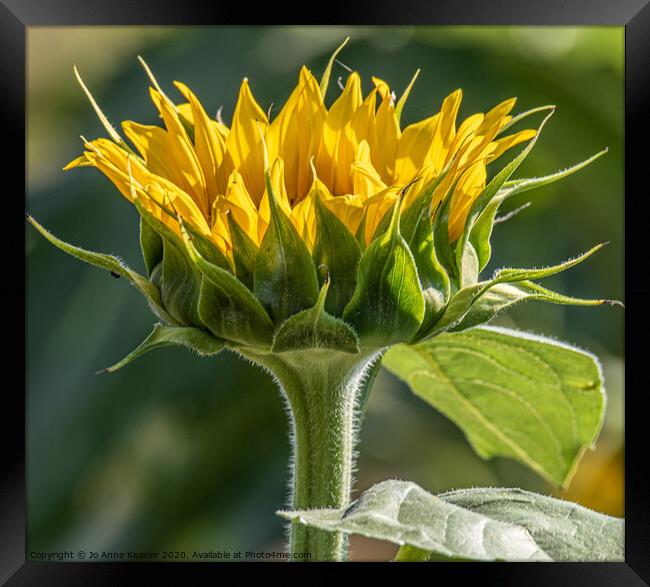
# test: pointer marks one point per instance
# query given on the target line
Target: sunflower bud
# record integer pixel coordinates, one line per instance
(321, 229)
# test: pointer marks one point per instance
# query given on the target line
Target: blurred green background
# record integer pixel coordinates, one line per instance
(181, 453)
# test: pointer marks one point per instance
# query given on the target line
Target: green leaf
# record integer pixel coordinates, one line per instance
(151, 245)
(387, 306)
(114, 265)
(285, 278)
(227, 307)
(474, 524)
(338, 250)
(403, 513)
(490, 191)
(565, 531)
(411, 554)
(504, 295)
(315, 328)
(194, 339)
(244, 252)
(513, 394)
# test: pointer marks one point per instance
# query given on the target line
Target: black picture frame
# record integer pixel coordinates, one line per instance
(634, 15)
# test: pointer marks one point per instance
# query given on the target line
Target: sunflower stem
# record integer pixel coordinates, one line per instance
(324, 390)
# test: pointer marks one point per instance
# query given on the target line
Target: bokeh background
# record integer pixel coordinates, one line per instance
(180, 453)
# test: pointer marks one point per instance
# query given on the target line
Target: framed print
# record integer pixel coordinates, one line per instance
(327, 293)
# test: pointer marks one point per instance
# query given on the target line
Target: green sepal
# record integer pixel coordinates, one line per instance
(521, 116)
(461, 303)
(387, 306)
(110, 263)
(284, 277)
(338, 250)
(151, 246)
(384, 224)
(199, 341)
(179, 281)
(481, 232)
(360, 235)
(519, 186)
(244, 252)
(487, 195)
(315, 328)
(207, 249)
(505, 295)
(442, 245)
(416, 225)
(325, 80)
(226, 305)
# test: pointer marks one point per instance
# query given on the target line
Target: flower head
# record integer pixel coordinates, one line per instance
(322, 227)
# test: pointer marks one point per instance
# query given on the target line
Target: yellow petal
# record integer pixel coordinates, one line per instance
(240, 204)
(187, 166)
(280, 192)
(287, 137)
(376, 207)
(386, 134)
(244, 142)
(445, 131)
(502, 145)
(210, 146)
(497, 115)
(413, 148)
(468, 188)
(335, 156)
(366, 180)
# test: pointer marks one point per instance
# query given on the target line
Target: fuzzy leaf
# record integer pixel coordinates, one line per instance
(474, 524)
(315, 328)
(404, 513)
(565, 531)
(115, 265)
(387, 306)
(194, 339)
(339, 251)
(513, 394)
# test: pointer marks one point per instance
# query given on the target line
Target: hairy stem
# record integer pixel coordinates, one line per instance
(324, 390)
